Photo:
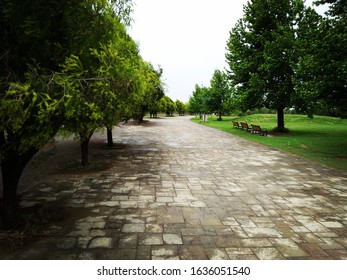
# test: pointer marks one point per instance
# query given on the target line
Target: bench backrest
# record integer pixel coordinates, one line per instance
(244, 125)
(256, 127)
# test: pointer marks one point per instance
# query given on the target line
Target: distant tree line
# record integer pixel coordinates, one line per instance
(282, 54)
(213, 99)
(168, 107)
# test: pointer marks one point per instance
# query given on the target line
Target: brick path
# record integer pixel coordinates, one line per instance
(178, 190)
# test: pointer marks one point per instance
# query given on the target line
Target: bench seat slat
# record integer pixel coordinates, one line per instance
(258, 130)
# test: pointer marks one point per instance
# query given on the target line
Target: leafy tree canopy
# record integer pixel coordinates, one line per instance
(48, 60)
(219, 93)
(152, 91)
(198, 100)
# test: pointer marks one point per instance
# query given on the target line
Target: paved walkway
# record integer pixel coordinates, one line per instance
(178, 190)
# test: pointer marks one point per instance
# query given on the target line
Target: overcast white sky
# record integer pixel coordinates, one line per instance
(187, 38)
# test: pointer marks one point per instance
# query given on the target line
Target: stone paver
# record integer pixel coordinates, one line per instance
(178, 190)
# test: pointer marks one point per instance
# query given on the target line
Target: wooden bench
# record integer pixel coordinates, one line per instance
(236, 124)
(244, 125)
(258, 130)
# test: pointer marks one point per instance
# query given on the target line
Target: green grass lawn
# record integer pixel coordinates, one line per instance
(323, 139)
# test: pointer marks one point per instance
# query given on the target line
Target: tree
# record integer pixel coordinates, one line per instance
(83, 112)
(219, 93)
(100, 77)
(154, 109)
(261, 54)
(119, 78)
(180, 107)
(167, 106)
(198, 101)
(152, 91)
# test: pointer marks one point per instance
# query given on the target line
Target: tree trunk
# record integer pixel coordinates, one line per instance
(12, 168)
(85, 150)
(109, 137)
(140, 119)
(280, 120)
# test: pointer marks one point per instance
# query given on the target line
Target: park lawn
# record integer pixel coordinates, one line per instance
(322, 139)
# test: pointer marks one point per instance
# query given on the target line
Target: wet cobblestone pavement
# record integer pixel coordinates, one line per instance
(178, 190)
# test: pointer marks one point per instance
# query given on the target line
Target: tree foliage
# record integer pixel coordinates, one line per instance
(213, 99)
(198, 101)
(180, 107)
(100, 82)
(31, 50)
(307, 66)
(152, 91)
(337, 8)
(330, 56)
(167, 106)
(219, 94)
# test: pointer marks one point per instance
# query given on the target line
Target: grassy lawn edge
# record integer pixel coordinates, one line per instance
(321, 139)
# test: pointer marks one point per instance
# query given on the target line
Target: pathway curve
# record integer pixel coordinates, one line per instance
(178, 190)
